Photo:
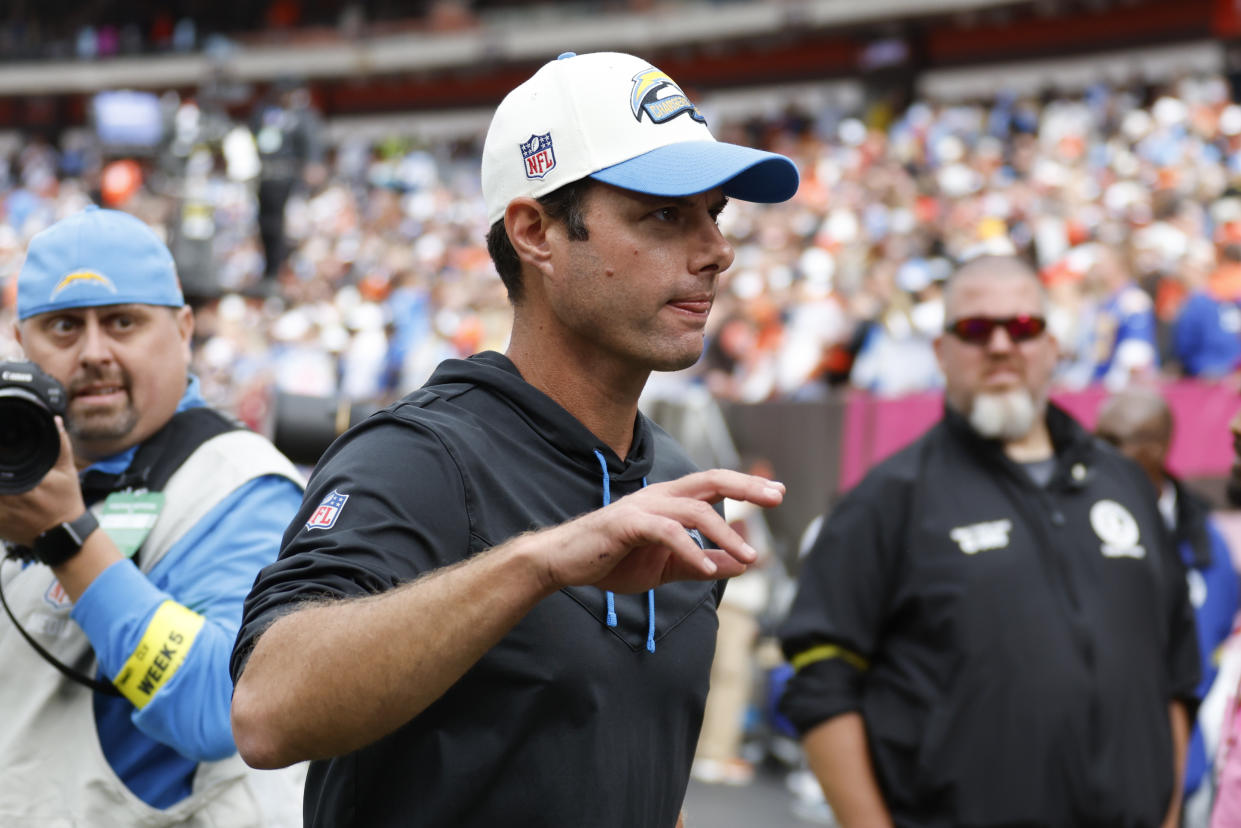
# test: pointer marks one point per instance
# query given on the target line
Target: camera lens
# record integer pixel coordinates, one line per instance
(29, 444)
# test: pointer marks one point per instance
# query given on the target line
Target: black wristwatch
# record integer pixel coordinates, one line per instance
(64, 540)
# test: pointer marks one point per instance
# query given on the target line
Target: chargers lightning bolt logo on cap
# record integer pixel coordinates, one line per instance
(647, 85)
(80, 277)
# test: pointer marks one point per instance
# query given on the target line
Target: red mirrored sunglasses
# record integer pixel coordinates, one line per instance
(977, 330)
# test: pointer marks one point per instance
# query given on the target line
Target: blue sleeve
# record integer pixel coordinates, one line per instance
(1139, 325)
(209, 571)
(1187, 335)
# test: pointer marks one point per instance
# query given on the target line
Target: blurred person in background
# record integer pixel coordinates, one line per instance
(1226, 810)
(1207, 332)
(1120, 328)
(129, 560)
(992, 627)
(1139, 422)
(288, 133)
(896, 356)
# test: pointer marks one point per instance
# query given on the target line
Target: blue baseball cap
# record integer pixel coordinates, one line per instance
(96, 257)
(617, 119)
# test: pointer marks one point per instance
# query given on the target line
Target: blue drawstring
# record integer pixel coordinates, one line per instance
(611, 598)
(607, 498)
(650, 619)
(650, 609)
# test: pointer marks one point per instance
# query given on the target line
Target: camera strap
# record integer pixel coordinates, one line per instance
(153, 465)
(68, 672)
(161, 455)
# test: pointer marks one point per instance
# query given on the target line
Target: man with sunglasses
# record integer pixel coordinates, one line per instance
(992, 628)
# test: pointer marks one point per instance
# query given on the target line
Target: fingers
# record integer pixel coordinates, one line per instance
(671, 534)
(661, 551)
(667, 521)
(65, 460)
(644, 539)
(698, 514)
(726, 565)
(714, 485)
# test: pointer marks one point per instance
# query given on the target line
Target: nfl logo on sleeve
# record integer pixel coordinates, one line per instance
(325, 516)
(539, 156)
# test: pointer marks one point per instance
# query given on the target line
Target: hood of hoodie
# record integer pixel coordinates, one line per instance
(550, 468)
(560, 430)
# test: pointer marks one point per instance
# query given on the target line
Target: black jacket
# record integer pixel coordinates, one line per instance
(1012, 649)
(567, 721)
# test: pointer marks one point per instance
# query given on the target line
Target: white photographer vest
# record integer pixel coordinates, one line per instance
(52, 770)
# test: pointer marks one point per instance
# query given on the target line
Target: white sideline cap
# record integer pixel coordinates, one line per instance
(619, 120)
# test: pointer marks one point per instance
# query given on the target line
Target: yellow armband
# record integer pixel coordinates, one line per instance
(159, 654)
(825, 651)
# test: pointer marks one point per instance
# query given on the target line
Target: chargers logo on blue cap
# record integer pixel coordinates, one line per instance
(82, 277)
(539, 155)
(647, 85)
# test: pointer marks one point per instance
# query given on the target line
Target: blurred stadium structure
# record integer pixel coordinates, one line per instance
(440, 71)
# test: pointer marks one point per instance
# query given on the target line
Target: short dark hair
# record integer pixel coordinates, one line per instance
(565, 204)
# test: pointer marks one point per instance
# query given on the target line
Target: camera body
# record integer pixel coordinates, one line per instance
(29, 443)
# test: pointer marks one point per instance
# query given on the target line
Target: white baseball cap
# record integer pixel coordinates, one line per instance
(617, 119)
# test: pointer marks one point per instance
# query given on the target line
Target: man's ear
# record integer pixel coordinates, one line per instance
(184, 318)
(527, 225)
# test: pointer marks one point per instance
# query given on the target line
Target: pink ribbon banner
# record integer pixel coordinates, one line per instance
(875, 427)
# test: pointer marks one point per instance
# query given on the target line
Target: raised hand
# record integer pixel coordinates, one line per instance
(642, 540)
(56, 499)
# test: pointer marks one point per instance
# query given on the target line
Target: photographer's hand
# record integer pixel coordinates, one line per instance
(58, 499)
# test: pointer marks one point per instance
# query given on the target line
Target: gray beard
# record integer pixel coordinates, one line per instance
(1007, 416)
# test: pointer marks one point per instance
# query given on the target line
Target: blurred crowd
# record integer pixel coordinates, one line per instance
(1123, 198)
(1127, 200)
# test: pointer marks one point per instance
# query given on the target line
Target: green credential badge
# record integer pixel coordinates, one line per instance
(128, 517)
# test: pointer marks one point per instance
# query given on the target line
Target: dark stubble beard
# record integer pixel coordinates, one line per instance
(96, 428)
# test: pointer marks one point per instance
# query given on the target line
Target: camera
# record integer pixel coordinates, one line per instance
(29, 442)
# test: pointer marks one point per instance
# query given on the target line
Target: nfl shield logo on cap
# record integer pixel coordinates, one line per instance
(539, 156)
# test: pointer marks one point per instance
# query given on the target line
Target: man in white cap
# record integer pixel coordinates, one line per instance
(129, 559)
(497, 605)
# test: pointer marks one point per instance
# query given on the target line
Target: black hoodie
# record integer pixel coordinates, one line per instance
(567, 721)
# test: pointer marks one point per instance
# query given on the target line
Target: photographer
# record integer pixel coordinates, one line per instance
(128, 561)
